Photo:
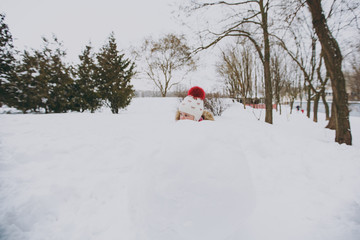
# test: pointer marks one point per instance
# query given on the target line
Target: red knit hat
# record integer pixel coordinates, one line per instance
(194, 102)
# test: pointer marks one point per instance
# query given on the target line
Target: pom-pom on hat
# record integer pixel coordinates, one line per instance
(193, 103)
(197, 92)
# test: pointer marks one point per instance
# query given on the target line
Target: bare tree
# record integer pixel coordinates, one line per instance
(353, 76)
(310, 67)
(246, 19)
(326, 105)
(236, 67)
(292, 89)
(333, 62)
(354, 83)
(320, 91)
(167, 61)
(278, 72)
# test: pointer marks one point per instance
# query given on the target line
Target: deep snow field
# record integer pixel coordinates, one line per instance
(139, 175)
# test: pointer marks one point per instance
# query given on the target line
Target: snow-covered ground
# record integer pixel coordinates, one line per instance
(141, 175)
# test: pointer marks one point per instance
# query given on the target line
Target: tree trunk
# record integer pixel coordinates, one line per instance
(277, 96)
(308, 103)
(280, 108)
(316, 106)
(163, 92)
(267, 75)
(326, 105)
(333, 62)
(331, 123)
(291, 105)
(301, 90)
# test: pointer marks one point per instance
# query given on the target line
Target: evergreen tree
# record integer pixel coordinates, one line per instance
(6, 61)
(54, 77)
(86, 87)
(42, 80)
(26, 90)
(114, 73)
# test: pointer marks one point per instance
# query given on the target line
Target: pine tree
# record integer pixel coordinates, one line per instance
(114, 73)
(25, 84)
(42, 80)
(6, 62)
(54, 77)
(86, 87)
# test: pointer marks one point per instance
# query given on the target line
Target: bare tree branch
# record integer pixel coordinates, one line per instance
(229, 4)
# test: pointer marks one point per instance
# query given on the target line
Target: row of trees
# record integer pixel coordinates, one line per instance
(40, 80)
(268, 25)
(243, 78)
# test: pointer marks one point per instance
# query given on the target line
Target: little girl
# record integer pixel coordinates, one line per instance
(192, 107)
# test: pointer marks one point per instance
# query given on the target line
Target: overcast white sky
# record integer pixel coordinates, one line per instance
(76, 22)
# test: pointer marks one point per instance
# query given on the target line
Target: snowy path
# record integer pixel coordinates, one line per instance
(67, 176)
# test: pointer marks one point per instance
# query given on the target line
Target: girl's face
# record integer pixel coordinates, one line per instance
(187, 116)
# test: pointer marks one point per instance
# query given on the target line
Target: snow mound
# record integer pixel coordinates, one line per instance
(141, 175)
(195, 185)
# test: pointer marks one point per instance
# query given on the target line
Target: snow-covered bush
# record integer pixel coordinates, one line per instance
(215, 103)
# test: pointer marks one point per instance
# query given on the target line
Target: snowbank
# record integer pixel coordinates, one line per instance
(140, 174)
(196, 185)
